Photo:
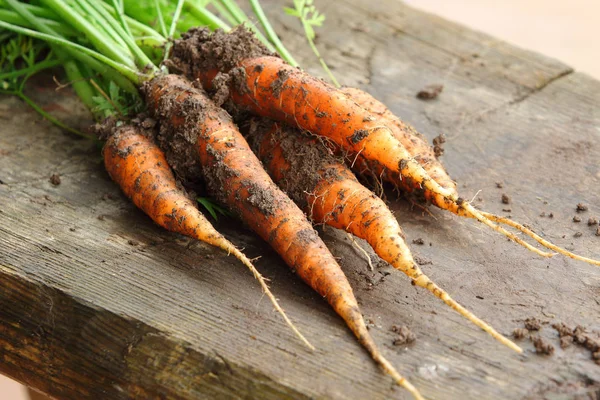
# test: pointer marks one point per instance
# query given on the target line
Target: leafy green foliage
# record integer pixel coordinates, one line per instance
(310, 17)
(307, 12)
(19, 56)
(213, 208)
(115, 102)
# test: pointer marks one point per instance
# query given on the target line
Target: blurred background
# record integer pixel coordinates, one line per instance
(566, 30)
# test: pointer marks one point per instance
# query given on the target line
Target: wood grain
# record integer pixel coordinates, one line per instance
(97, 302)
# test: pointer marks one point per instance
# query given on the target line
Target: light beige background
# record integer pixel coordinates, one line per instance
(564, 29)
(567, 30)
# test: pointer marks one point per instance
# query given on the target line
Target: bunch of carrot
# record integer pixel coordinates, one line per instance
(120, 53)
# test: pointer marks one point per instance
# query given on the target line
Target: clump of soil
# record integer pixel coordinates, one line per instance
(405, 335)
(581, 207)
(430, 92)
(54, 179)
(200, 50)
(533, 324)
(499, 185)
(579, 336)
(505, 199)
(576, 218)
(419, 241)
(520, 333)
(542, 347)
(592, 221)
(438, 145)
(307, 163)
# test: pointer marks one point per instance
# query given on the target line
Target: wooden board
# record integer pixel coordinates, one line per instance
(97, 302)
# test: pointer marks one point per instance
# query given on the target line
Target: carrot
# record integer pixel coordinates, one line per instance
(416, 144)
(238, 67)
(330, 193)
(139, 167)
(236, 178)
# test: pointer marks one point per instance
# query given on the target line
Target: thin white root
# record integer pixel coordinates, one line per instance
(537, 238)
(425, 282)
(240, 256)
(351, 237)
(485, 220)
(399, 379)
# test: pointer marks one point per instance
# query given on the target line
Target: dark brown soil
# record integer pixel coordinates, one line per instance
(520, 333)
(199, 49)
(533, 324)
(419, 241)
(438, 145)
(430, 92)
(579, 336)
(581, 207)
(405, 336)
(54, 179)
(505, 199)
(542, 347)
(308, 163)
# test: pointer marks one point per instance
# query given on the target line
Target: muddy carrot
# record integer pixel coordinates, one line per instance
(416, 144)
(139, 167)
(236, 178)
(238, 67)
(330, 193)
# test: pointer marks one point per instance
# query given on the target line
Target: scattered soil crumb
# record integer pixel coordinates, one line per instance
(209, 257)
(581, 207)
(499, 185)
(542, 347)
(543, 214)
(505, 199)
(533, 324)
(419, 241)
(592, 221)
(578, 234)
(107, 196)
(133, 242)
(422, 261)
(598, 231)
(55, 179)
(576, 219)
(562, 329)
(430, 92)
(438, 145)
(101, 217)
(507, 209)
(566, 341)
(405, 336)
(551, 215)
(520, 333)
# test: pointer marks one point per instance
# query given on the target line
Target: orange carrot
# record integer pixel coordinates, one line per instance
(236, 178)
(416, 144)
(330, 193)
(238, 67)
(139, 167)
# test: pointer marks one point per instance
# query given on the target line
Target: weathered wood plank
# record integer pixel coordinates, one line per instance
(86, 314)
